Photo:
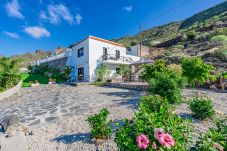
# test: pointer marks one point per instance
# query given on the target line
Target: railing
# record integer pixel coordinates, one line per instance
(117, 58)
(51, 58)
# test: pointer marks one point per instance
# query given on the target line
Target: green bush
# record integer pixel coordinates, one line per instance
(146, 124)
(202, 107)
(124, 70)
(215, 138)
(191, 35)
(168, 86)
(100, 127)
(153, 103)
(219, 39)
(179, 46)
(101, 72)
(151, 71)
(196, 71)
(9, 73)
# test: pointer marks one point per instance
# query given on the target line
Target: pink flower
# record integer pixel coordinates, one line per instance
(158, 131)
(166, 140)
(218, 146)
(142, 141)
(154, 146)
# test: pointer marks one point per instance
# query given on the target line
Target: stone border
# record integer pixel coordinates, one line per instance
(142, 87)
(11, 91)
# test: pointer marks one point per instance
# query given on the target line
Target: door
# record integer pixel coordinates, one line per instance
(81, 71)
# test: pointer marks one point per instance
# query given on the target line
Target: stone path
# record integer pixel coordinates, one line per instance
(47, 103)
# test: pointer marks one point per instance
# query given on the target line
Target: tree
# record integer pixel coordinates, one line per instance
(101, 72)
(124, 70)
(195, 70)
(150, 71)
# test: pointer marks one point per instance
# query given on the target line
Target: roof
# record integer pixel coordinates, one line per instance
(98, 39)
(58, 50)
(106, 41)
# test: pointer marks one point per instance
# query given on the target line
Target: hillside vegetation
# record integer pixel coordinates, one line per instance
(31, 56)
(204, 34)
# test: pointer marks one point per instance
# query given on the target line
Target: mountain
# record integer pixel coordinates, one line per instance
(204, 34)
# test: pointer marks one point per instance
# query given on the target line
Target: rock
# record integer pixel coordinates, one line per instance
(8, 121)
(213, 87)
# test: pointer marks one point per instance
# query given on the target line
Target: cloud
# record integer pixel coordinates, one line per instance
(13, 9)
(37, 32)
(78, 18)
(11, 34)
(57, 12)
(128, 8)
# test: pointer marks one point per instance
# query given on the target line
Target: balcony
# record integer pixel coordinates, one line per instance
(113, 59)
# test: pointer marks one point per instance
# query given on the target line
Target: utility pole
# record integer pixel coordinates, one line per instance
(140, 38)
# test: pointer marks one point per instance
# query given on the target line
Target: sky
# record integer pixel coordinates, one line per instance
(28, 25)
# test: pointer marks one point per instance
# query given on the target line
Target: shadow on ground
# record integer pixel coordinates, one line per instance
(128, 98)
(69, 139)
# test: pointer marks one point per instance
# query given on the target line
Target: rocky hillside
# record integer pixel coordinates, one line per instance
(31, 56)
(204, 35)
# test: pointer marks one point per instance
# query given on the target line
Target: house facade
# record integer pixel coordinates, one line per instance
(90, 53)
(85, 56)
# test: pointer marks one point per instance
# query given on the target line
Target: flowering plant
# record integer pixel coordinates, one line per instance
(161, 130)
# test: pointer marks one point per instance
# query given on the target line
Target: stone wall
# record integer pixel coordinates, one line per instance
(58, 63)
(132, 86)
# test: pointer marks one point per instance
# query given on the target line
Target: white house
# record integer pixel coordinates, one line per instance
(88, 54)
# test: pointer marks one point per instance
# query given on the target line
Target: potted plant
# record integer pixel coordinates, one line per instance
(50, 81)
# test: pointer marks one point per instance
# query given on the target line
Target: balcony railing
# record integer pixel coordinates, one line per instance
(117, 58)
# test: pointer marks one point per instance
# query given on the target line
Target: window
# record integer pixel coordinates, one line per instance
(81, 71)
(117, 54)
(105, 51)
(80, 52)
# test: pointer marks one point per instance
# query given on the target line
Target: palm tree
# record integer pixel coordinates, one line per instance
(67, 71)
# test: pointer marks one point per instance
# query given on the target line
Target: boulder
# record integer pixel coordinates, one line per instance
(8, 121)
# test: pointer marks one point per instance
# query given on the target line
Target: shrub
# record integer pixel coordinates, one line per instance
(215, 138)
(219, 39)
(101, 72)
(9, 72)
(150, 71)
(146, 130)
(67, 71)
(179, 46)
(153, 103)
(124, 70)
(191, 35)
(168, 86)
(202, 107)
(195, 70)
(175, 68)
(100, 127)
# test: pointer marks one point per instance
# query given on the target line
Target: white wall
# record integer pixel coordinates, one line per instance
(82, 61)
(96, 52)
(134, 50)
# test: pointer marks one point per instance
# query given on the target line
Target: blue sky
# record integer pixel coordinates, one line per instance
(27, 25)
